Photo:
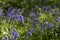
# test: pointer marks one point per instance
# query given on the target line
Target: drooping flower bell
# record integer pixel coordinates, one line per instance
(58, 19)
(15, 35)
(46, 8)
(31, 32)
(51, 25)
(33, 14)
(11, 14)
(44, 25)
(19, 18)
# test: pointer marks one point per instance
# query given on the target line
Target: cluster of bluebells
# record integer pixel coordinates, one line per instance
(15, 36)
(16, 15)
(49, 9)
(46, 8)
(31, 31)
(35, 19)
(43, 26)
(58, 19)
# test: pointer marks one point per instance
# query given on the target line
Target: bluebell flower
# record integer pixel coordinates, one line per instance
(31, 31)
(33, 14)
(20, 18)
(44, 25)
(20, 13)
(58, 19)
(35, 25)
(15, 19)
(10, 16)
(11, 13)
(46, 8)
(15, 33)
(51, 25)
(36, 19)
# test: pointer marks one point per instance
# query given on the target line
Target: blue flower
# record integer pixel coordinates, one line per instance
(36, 19)
(58, 19)
(44, 25)
(20, 18)
(33, 14)
(35, 25)
(31, 31)
(46, 8)
(11, 13)
(51, 25)
(14, 33)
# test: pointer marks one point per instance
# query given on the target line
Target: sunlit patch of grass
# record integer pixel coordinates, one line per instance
(42, 17)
